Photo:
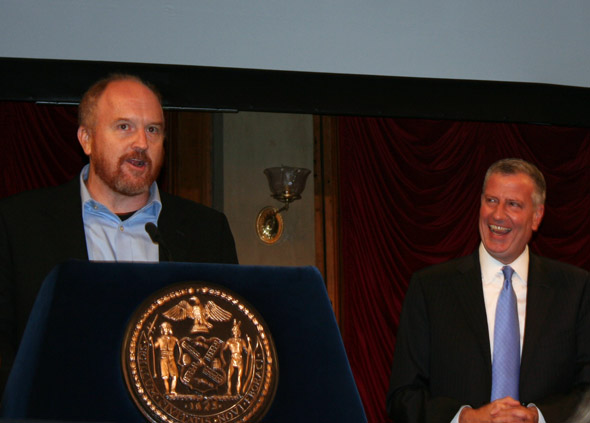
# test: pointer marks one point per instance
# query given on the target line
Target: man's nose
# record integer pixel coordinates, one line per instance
(140, 142)
(500, 212)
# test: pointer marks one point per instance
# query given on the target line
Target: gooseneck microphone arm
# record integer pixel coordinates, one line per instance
(156, 238)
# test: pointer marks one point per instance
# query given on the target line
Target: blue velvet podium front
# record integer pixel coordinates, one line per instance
(68, 367)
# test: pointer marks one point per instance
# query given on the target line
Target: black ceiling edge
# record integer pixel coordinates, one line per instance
(230, 89)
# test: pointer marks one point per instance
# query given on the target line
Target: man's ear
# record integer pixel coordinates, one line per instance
(84, 138)
(538, 216)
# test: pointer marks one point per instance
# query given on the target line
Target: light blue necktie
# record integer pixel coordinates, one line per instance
(506, 362)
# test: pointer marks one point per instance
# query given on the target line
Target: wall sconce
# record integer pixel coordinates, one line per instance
(286, 184)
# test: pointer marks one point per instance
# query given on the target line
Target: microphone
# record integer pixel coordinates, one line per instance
(156, 238)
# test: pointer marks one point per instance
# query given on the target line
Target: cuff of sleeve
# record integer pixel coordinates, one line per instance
(456, 418)
(541, 418)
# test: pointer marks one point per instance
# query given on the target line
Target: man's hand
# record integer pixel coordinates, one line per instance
(505, 410)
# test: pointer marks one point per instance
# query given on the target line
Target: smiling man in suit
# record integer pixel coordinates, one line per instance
(102, 214)
(502, 335)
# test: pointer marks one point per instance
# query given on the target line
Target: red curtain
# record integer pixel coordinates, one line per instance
(410, 193)
(38, 146)
(409, 197)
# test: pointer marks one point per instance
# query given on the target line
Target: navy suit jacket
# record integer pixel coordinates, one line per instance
(442, 357)
(42, 228)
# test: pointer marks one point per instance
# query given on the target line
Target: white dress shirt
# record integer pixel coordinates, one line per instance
(492, 280)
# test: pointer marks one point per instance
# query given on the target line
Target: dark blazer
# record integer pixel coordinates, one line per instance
(442, 357)
(42, 228)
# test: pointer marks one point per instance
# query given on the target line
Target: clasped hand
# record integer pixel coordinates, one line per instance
(504, 410)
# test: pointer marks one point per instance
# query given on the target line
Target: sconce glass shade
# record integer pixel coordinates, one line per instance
(286, 183)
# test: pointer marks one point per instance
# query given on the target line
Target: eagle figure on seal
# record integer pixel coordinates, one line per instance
(199, 313)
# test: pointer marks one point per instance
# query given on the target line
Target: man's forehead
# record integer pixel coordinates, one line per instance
(120, 97)
(129, 89)
(512, 182)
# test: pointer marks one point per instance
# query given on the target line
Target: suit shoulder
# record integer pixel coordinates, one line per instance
(558, 269)
(448, 268)
(40, 197)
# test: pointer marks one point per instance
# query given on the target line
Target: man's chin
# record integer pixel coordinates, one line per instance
(496, 249)
(132, 188)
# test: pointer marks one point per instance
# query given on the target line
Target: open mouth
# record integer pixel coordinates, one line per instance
(500, 230)
(137, 162)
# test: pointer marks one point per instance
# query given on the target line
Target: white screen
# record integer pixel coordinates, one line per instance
(544, 41)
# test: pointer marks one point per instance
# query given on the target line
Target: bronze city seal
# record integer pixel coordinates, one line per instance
(197, 352)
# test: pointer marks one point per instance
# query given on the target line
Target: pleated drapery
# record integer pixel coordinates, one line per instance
(410, 192)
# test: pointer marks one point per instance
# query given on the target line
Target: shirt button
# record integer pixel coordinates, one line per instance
(121, 228)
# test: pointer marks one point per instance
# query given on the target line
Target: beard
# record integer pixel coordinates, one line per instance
(127, 182)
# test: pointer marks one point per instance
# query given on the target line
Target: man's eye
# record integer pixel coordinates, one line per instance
(124, 126)
(153, 130)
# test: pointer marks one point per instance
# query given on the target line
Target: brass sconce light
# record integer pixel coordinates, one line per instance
(286, 184)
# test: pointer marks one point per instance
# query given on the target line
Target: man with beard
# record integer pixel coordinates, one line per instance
(102, 214)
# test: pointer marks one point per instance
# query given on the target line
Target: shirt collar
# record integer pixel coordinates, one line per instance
(154, 204)
(490, 267)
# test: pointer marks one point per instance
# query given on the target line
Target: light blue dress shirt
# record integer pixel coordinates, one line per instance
(108, 238)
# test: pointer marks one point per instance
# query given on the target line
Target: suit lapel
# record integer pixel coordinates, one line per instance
(64, 215)
(176, 239)
(540, 295)
(469, 291)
